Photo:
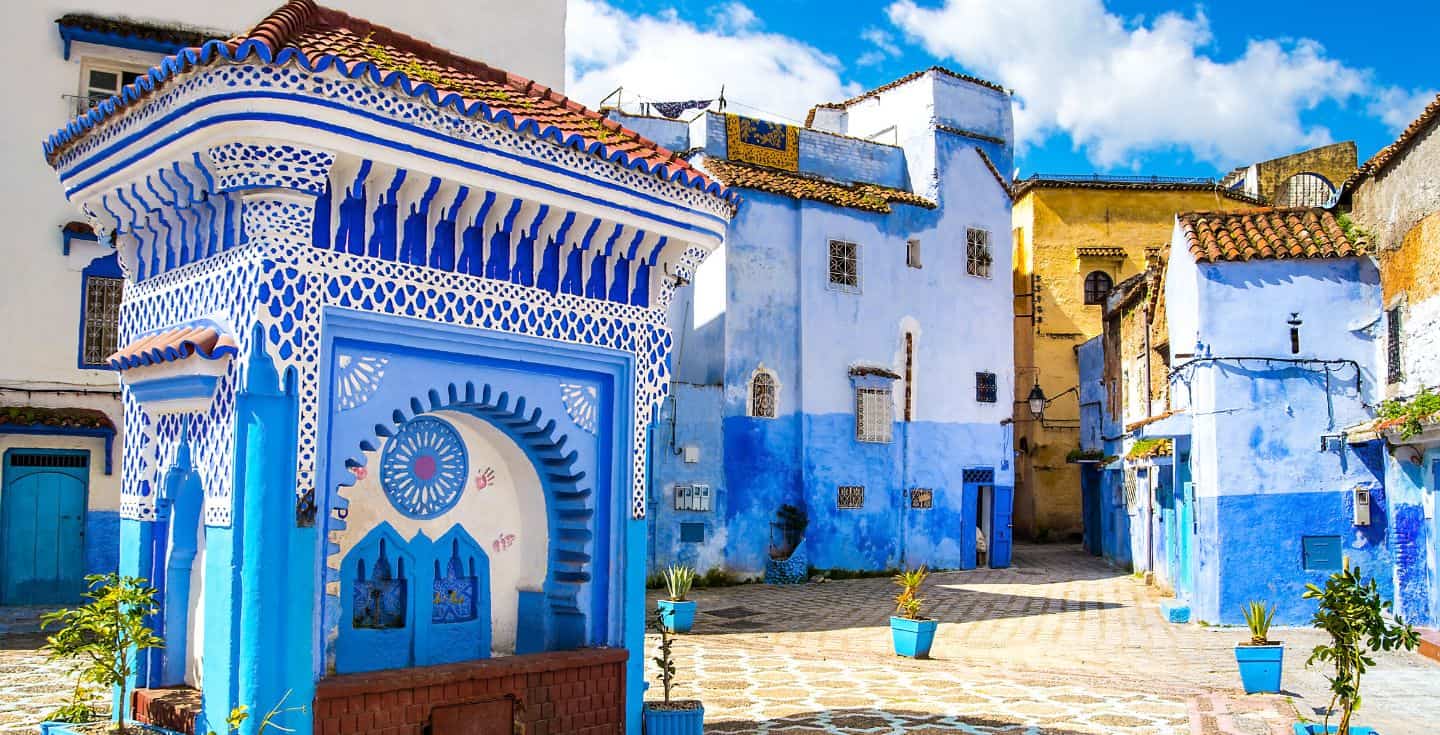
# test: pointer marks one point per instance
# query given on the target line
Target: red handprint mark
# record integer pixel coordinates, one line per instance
(360, 472)
(483, 478)
(502, 542)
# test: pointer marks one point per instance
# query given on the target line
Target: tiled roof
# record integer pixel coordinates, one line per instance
(999, 178)
(176, 344)
(869, 197)
(1267, 234)
(78, 418)
(177, 36)
(317, 38)
(1378, 161)
(1099, 251)
(1150, 448)
(1155, 183)
(912, 76)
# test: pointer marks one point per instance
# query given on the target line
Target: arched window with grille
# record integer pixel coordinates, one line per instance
(1306, 189)
(1097, 287)
(764, 394)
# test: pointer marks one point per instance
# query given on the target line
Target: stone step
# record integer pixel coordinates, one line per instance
(1430, 644)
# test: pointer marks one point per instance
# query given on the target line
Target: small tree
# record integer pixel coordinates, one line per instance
(103, 636)
(664, 660)
(1357, 620)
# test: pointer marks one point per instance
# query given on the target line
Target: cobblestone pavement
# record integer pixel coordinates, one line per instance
(1059, 644)
(30, 688)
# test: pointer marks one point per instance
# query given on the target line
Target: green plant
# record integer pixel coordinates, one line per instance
(103, 635)
(80, 708)
(1350, 228)
(1408, 415)
(907, 603)
(678, 579)
(241, 713)
(1359, 622)
(1258, 620)
(665, 660)
(1084, 455)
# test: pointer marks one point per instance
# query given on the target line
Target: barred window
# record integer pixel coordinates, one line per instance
(977, 252)
(692, 497)
(922, 498)
(844, 266)
(102, 319)
(1097, 287)
(850, 497)
(762, 395)
(985, 387)
(874, 414)
(1393, 371)
(912, 253)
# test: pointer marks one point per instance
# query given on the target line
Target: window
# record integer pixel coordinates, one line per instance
(909, 376)
(762, 394)
(100, 82)
(1393, 373)
(922, 498)
(102, 319)
(873, 415)
(912, 253)
(844, 266)
(977, 252)
(985, 387)
(1304, 190)
(1097, 287)
(850, 497)
(692, 533)
(692, 497)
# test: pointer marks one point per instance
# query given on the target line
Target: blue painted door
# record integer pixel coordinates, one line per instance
(42, 524)
(1000, 512)
(1090, 507)
(1185, 580)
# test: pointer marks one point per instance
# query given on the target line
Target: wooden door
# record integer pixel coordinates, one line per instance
(42, 523)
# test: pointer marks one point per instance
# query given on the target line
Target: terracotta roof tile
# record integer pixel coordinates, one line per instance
(317, 37)
(1140, 184)
(1385, 155)
(999, 178)
(859, 195)
(179, 36)
(81, 418)
(1267, 234)
(172, 345)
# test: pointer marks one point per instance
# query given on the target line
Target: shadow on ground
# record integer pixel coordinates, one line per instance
(866, 720)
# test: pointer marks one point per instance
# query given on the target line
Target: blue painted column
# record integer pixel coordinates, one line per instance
(184, 496)
(137, 554)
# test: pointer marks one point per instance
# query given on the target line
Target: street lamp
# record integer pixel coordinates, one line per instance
(1036, 401)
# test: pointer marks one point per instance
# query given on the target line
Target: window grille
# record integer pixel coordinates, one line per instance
(1393, 371)
(977, 252)
(692, 497)
(912, 253)
(985, 387)
(850, 497)
(692, 533)
(922, 498)
(1097, 287)
(978, 475)
(762, 396)
(844, 266)
(49, 460)
(1304, 190)
(102, 319)
(909, 376)
(873, 415)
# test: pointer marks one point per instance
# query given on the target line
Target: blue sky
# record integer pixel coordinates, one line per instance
(1117, 86)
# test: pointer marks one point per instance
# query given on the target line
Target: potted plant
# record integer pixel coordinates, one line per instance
(677, 614)
(1259, 659)
(102, 639)
(912, 632)
(671, 717)
(1358, 622)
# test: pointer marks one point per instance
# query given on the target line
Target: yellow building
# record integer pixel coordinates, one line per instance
(1074, 239)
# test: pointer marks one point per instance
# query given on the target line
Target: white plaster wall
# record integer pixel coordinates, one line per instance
(511, 505)
(1419, 344)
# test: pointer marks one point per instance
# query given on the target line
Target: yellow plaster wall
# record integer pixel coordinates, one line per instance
(1050, 224)
(1413, 268)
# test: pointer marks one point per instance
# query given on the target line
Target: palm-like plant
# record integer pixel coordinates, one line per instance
(907, 603)
(1258, 619)
(678, 580)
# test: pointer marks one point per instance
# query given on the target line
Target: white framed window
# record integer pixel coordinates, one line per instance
(874, 415)
(764, 394)
(694, 497)
(844, 266)
(100, 80)
(977, 252)
(101, 331)
(850, 497)
(912, 252)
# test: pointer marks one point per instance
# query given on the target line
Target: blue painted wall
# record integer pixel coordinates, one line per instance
(102, 541)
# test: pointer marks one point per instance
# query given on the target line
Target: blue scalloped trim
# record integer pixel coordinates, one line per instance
(212, 51)
(171, 353)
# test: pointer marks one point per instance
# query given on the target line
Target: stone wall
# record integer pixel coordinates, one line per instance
(1335, 162)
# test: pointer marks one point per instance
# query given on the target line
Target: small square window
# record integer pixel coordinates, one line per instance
(692, 533)
(985, 388)
(922, 498)
(874, 415)
(844, 266)
(977, 252)
(912, 253)
(850, 497)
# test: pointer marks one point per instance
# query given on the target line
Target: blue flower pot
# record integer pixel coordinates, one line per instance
(677, 617)
(68, 728)
(913, 637)
(1260, 667)
(665, 721)
(1315, 728)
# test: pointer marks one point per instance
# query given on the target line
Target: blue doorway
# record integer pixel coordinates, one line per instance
(42, 526)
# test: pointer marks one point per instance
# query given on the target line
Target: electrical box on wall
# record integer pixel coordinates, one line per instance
(692, 454)
(1362, 506)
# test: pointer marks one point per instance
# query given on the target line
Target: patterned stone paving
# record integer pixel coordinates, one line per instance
(30, 688)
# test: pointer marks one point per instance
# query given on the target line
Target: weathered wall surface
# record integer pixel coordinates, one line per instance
(1335, 162)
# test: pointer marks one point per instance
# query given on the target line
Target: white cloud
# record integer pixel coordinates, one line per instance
(1122, 87)
(882, 44)
(1397, 108)
(664, 57)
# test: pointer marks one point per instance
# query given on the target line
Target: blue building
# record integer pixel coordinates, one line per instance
(1243, 488)
(848, 352)
(393, 333)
